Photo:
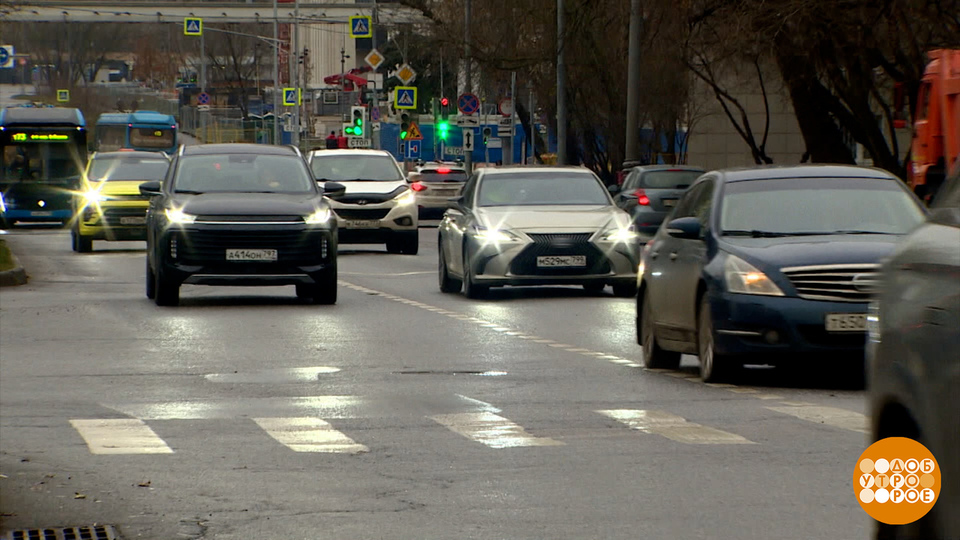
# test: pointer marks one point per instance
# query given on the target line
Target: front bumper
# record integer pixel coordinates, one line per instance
(13, 214)
(113, 221)
(757, 325)
(374, 223)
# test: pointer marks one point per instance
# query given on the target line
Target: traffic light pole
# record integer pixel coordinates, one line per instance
(468, 86)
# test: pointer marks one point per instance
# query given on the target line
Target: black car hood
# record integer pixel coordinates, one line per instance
(248, 204)
(813, 250)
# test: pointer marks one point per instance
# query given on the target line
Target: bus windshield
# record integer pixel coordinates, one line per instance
(41, 161)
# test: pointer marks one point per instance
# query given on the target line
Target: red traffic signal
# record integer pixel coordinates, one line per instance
(444, 101)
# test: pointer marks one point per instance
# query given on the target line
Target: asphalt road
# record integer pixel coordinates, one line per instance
(399, 413)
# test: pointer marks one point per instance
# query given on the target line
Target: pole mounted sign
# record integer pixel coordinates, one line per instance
(63, 96)
(405, 97)
(192, 26)
(406, 74)
(6, 56)
(291, 97)
(360, 27)
(374, 59)
(468, 103)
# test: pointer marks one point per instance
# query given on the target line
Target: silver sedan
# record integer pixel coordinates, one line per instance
(536, 226)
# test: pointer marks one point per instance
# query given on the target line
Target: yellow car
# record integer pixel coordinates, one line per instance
(109, 205)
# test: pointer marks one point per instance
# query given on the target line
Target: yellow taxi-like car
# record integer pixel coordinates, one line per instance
(109, 205)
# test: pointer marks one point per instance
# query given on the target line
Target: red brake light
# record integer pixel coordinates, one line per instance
(642, 198)
(417, 186)
(443, 170)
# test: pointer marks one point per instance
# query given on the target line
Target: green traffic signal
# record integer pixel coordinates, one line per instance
(443, 129)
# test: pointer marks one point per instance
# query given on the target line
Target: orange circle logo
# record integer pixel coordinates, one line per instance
(896, 480)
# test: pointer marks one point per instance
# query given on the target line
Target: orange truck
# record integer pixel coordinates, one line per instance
(936, 135)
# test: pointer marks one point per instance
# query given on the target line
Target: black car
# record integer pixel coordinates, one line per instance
(650, 192)
(770, 264)
(240, 214)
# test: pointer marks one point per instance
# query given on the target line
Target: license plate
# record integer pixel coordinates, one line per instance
(363, 224)
(561, 261)
(251, 254)
(133, 220)
(41, 213)
(669, 202)
(846, 322)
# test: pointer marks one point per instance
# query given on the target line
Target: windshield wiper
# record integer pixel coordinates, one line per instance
(857, 231)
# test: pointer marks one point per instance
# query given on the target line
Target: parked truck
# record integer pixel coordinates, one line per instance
(936, 135)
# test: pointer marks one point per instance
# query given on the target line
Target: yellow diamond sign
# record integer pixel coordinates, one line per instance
(406, 74)
(374, 59)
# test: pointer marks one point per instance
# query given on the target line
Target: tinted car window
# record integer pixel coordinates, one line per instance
(526, 189)
(679, 179)
(819, 205)
(342, 168)
(127, 168)
(438, 175)
(243, 173)
(687, 204)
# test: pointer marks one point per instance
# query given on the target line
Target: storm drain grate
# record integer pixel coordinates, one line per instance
(95, 532)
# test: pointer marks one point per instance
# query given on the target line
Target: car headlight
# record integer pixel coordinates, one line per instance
(3, 205)
(744, 278)
(493, 236)
(319, 217)
(179, 217)
(94, 196)
(405, 198)
(625, 235)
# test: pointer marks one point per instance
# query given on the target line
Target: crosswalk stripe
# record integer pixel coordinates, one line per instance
(119, 436)
(492, 430)
(830, 416)
(308, 434)
(673, 427)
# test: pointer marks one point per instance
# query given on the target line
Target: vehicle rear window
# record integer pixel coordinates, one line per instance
(127, 168)
(679, 179)
(439, 175)
(355, 167)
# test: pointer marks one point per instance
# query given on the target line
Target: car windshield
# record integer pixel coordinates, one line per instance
(127, 168)
(244, 173)
(344, 168)
(669, 179)
(542, 188)
(812, 206)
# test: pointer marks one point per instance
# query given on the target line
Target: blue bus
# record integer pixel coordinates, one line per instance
(43, 152)
(140, 130)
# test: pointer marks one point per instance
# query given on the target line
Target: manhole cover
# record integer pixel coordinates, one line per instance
(96, 532)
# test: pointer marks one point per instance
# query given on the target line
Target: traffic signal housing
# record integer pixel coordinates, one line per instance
(404, 126)
(443, 129)
(358, 117)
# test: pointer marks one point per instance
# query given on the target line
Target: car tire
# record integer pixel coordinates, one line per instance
(470, 288)
(653, 356)
(304, 291)
(81, 244)
(325, 291)
(5, 224)
(625, 289)
(167, 290)
(151, 284)
(714, 367)
(410, 242)
(394, 246)
(594, 287)
(448, 284)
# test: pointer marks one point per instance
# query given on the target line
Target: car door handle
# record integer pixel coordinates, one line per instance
(673, 256)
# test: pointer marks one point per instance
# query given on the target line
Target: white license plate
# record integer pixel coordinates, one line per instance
(846, 322)
(363, 224)
(561, 261)
(669, 202)
(251, 254)
(133, 220)
(41, 213)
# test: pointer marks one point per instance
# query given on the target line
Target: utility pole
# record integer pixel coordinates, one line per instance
(468, 86)
(375, 138)
(632, 151)
(533, 127)
(295, 136)
(276, 78)
(507, 151)
(561, 90)
(203, 85)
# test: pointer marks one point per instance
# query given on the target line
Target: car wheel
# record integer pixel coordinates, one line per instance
(5, 224)
(325, 291)
(81, 244)
(713, 367)
(151, 282)
(410, 242)
(594, 287)
(625, 289)
(167, 290)
(448, 284)
(304, 291)
(470, 287)
(394, 246)
(653, 356)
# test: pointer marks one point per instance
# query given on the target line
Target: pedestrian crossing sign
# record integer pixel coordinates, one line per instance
(360, 27)
(192, 26)
(405, 97)
(63, 96)
(291, 97)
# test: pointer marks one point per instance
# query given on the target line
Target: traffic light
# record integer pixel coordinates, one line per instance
(357, 121)
(404, 126)
(443, 129)
(444, 102)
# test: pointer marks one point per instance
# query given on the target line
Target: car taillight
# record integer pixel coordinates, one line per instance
(642, 198)
(417, 186)
(443, 171)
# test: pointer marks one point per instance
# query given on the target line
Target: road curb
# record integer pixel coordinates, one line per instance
(15, 276)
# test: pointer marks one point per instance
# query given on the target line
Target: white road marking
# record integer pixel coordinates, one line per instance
(484, 406)
(492, 430)
(120, 436)
(673, 427)
(308, 434)
(830, 416)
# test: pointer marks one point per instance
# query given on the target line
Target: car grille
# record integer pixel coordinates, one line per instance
(128, 198)
(525, 263)
(294, 247)
(838, 282)
(366, 213)
(112, 217)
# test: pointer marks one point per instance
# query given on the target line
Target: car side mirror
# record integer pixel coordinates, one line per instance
(455, 204)
(334, 189)
(150, 189)
(613, 189)
(686, 227)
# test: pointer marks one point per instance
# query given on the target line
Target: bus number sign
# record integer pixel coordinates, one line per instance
(40, 137)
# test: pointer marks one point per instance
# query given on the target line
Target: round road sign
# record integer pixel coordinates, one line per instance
(468, 103)
(505, 107)
(203, 98)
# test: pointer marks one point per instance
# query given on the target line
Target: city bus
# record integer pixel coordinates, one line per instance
(140, 130)
(44, 152)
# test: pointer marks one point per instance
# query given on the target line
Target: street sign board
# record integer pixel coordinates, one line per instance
(468, 103)
(453, 150)
(192, 26)
(472, 120)
(374, 113)
(495, 143)
(505, 127)
(291, 97)
(505, 106)
(405, 97)
(6, 56)
(356, 142)
(413, 133)
(203, 108)
(375, 126)
(63, 95)
(413, 149)
(203, 98)
(468, 139)
(406, 74)
(360, 26)
(374, 59)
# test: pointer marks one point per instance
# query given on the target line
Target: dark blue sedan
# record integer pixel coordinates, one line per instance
(769, 265)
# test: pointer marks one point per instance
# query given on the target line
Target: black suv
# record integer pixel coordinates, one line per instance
(240, 214)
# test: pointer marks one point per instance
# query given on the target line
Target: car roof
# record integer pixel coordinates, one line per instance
(773, 172)
(349, 152)
(130, 153)
(646, 168)
(513, 169)
(237, 148)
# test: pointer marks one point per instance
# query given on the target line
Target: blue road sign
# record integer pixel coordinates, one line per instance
(374, 113)
(203, 98)
(360, 26)
(192, 26)
(6, 56)
(291, 97)
(468, 103)
(405, 97)
(413, 149)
